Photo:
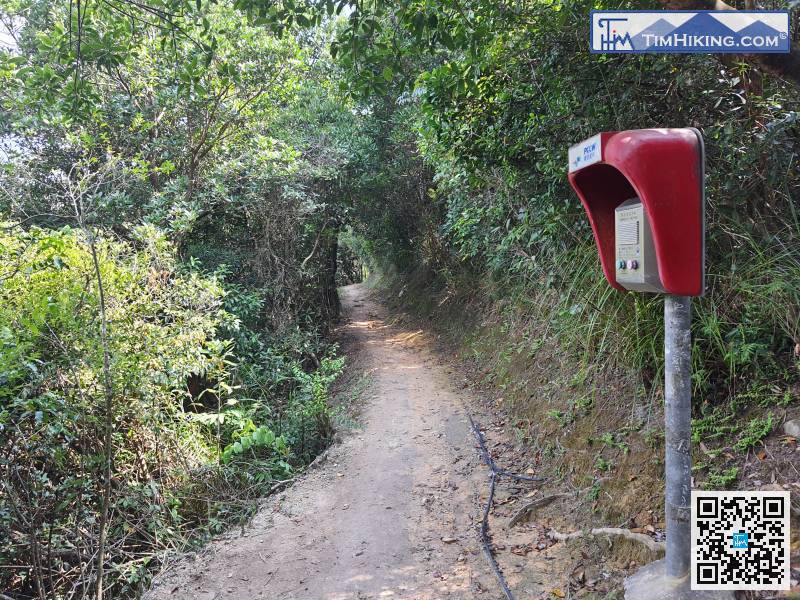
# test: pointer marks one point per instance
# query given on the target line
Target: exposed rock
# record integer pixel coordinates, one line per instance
(792, 428)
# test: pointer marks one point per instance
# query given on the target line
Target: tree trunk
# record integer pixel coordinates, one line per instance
(330, 296)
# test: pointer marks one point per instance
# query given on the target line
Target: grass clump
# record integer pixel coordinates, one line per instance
(721, 480)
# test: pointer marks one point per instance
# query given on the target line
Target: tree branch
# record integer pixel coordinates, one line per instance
(646, 540)
(316, 243)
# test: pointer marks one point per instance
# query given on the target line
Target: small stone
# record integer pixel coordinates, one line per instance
(792, 428)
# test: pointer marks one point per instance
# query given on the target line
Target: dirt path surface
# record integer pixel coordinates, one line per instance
(389, 513)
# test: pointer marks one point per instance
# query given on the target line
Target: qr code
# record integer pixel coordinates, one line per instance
(740, 540)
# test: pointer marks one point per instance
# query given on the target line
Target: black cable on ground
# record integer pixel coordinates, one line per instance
(487, 458)
(484, 529)
(487, 548)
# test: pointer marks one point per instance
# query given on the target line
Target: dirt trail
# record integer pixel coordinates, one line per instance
(391, 511)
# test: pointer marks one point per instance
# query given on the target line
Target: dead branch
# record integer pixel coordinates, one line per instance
(279, 486)
(540, 502)
(531, 506)
(316, 244)
(646, 540)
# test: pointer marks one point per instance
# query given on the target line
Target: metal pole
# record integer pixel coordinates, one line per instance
(678, 430)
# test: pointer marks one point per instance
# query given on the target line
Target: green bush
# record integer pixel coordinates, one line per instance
(163, 323)
(183, 466)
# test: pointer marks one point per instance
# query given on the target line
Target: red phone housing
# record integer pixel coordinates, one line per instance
(665, 169)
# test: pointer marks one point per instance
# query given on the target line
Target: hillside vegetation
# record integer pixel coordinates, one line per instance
(184, 185)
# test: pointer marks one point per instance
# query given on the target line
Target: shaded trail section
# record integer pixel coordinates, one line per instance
(390, 512)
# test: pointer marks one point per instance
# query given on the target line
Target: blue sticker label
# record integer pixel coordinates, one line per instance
(584, 154)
